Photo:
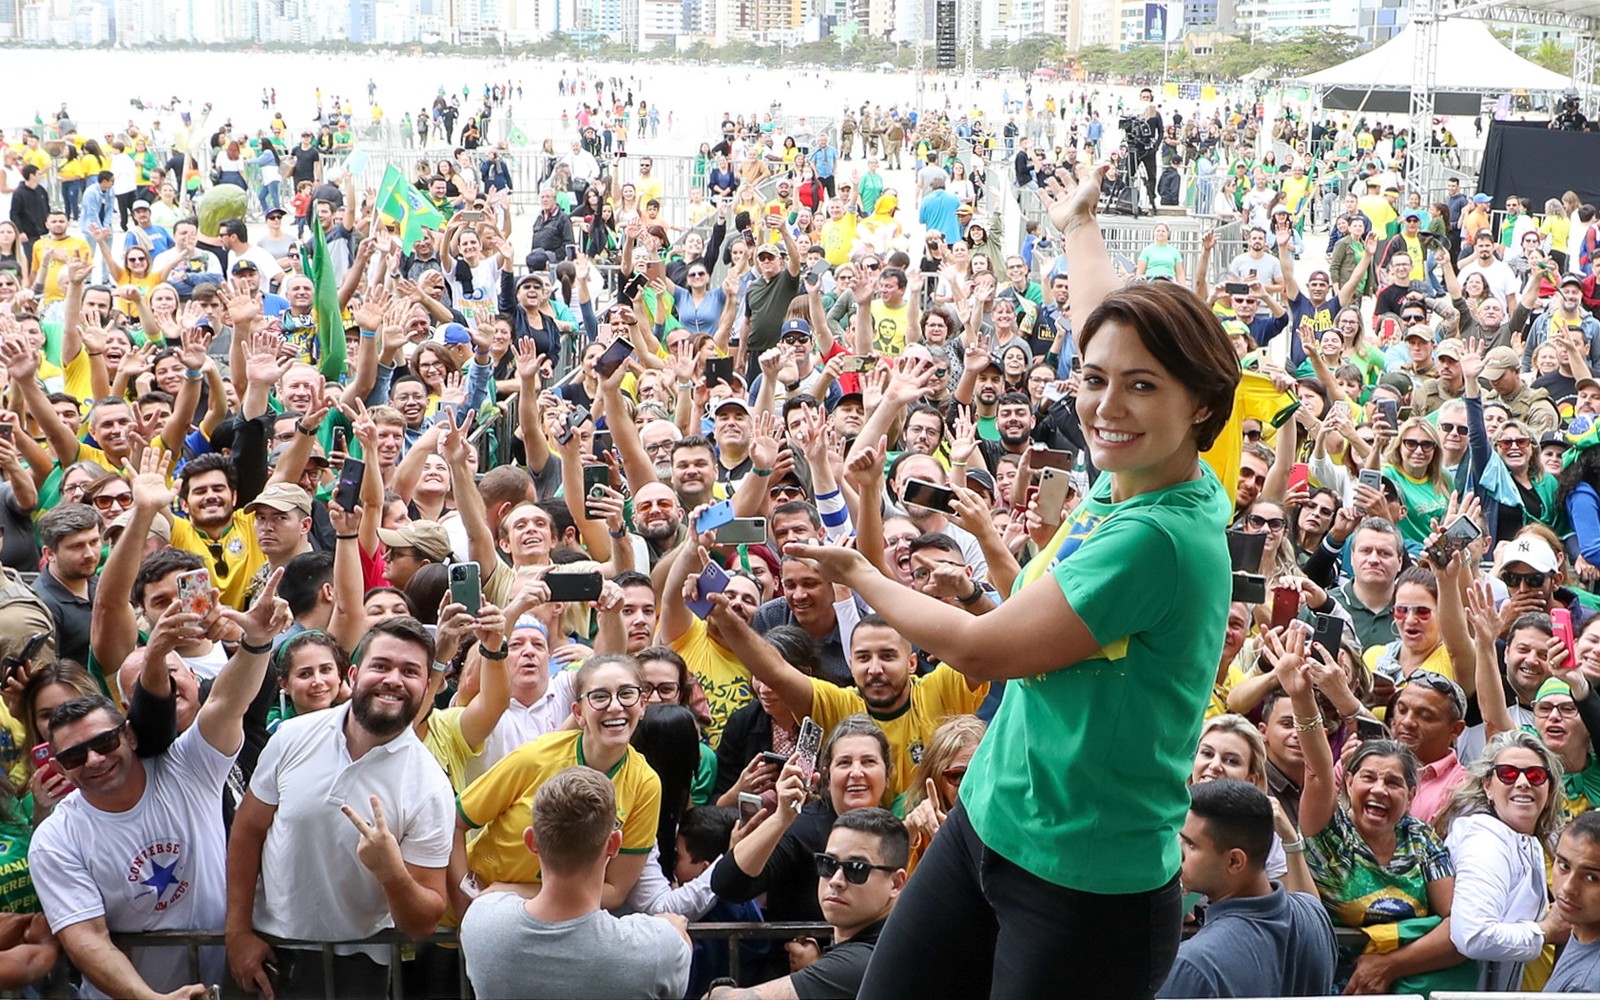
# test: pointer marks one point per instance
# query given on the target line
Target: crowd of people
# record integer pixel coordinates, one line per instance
(657, 575)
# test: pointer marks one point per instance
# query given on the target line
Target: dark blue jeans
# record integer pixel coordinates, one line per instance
(971, 924)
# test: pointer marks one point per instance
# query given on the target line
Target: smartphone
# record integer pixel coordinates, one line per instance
(858, 363)
(1370, 477)
(573, 586)
(1249, 588)
(574, 421)
(339, 439)
(1463, 531)
(929, 495)
(712, 580)
(743, 531)
(602, 443)
(1390, 409)
(1237, 287)
(806, 748)
(1370, 729)
(1054, 484)
(5, 431)
(719, 370)
(630, 289)
(749, 807)
(470, 216)
(614, 357)
(194, 591)
(1285, 606)
(347, 494)
(1561, 624)
(714, 516)
(44, 762)
(1299, 475)
(572, 252)
(1245, 549)
(595, 480)
(1040, 457)
(775, 759)
(466, 586)
(1329, 633)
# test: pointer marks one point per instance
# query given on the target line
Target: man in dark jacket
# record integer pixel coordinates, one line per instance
(552, 233)
(30, 204)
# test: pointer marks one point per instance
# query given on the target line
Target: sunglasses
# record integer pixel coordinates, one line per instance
(627, 696)
(855, 872)
(1417, 445)
(699, 274)
(1252, 435)
(1258, 522)
(1507, 774)
(1514, 579)
(1514, 442)
(954, 775)
(1421, 612)
(786, 493)
(1450, 428)
(668, 690)
(1414, 319)
(106, 743)
(106, 501)
(221, 566)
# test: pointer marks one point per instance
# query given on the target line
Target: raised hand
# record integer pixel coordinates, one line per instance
(1072, 201)
(378, 850)
(150, 484)
(266, 618)
(764, 441)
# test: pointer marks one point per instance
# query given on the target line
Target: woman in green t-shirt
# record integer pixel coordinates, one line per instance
(1062, 854)
(1415, 465)
(1161, 259)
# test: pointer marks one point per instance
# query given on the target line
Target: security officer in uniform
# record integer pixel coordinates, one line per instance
(1446, 383)
(1531, 406)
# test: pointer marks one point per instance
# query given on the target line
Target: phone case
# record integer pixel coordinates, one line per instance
(712, 580)
(715, 516)
(194, 591)
(466, 586)
(807, 747)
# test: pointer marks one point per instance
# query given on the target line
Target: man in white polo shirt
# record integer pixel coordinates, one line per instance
(346, 830)
(139, 845)
(539, 703)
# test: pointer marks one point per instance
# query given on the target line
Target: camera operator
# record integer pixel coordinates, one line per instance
(1570, 118)
(1150, 143)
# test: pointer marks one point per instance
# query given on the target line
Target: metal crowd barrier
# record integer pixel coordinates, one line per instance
(398, 943)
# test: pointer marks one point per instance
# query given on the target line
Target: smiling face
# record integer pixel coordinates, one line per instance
(102, 775)
(1221, 754)
(610, 728)
(881, 664)
(389, 685)
(1379, 797)
(311, 679)
(1519, 803)
(857, 773)
(1139, 419)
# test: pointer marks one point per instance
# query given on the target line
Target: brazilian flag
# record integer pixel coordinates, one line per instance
(402, 205)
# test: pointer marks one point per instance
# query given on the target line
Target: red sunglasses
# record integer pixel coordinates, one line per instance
(1507, 774)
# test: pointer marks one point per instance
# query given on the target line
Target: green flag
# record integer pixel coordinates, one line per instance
(401, 204)
(325, 306)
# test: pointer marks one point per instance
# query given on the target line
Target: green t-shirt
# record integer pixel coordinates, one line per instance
(1082, 778)
(1423, 504)
(17, 894)
(1160, 260)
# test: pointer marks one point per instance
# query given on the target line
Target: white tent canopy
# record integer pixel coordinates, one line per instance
(1471, 60)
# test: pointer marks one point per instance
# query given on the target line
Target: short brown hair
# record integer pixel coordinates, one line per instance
(386, 414)
(573, 814)
(1185, 337)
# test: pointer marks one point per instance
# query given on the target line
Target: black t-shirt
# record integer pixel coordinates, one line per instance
(305, 163)
(1390, 297)
(840, 970)
(1559, 386)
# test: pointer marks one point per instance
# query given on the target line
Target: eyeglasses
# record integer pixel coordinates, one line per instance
(627, 696)
(1258, 522)
(1563, 709)
(1507, 774)
(221, 566)
(1252, 435)
(668, 690)
(107, 742)
(1514, 442)
(1421, 612)
(1515, 580)
(1450, 428)
(855, 872)
(106, 501)
(1417, 444)
(953, 775)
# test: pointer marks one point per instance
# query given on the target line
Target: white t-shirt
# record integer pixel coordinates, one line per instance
(199, 262)
(312, 886)
(160, 866)
(520, 723)
(124, 174)
(265, 262)
(485, 283)
(1502, 281)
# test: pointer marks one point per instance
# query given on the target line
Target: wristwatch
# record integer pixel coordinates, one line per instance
(974, 597)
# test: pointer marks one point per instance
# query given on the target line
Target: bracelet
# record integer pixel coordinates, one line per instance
(1297, 847)
(763, 473)
(94, 354)
(686, 386)
(498, 654)
(265, 647)
(369, 333)
(194, 374)
(974, 597)
(346, 538)
(617, 534)
(301, 428)
(1309, 725)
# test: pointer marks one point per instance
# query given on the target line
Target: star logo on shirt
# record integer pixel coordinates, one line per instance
(162, 877)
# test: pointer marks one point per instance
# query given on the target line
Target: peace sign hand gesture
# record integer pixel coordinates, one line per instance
(378, 849)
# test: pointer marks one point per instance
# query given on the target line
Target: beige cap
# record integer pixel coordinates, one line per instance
(427, 537)
(284, 497)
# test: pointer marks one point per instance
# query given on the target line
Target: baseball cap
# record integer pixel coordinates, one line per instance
(1580, 383)
(284, 497)
(1535, 553)
(1398, 381)
(244, 264)
(1572, 279)
(427, 537)
(159, 526)
(1320, 274)
(317, 456)
(964, 210)
(1482, 198)
(530, 276)
(1501, 359)
(275, 211)
(138, 204)
(767, 249)
(1450, 347)
(1411, 214)
(1557, 438)
(794, 326)
(981, 479)
(712, 409)
(1419, 331)
(455, 333)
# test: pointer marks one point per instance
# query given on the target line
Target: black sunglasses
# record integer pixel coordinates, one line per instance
(855, 872)
(1513, 579)
(107, 743)
(215, 548)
